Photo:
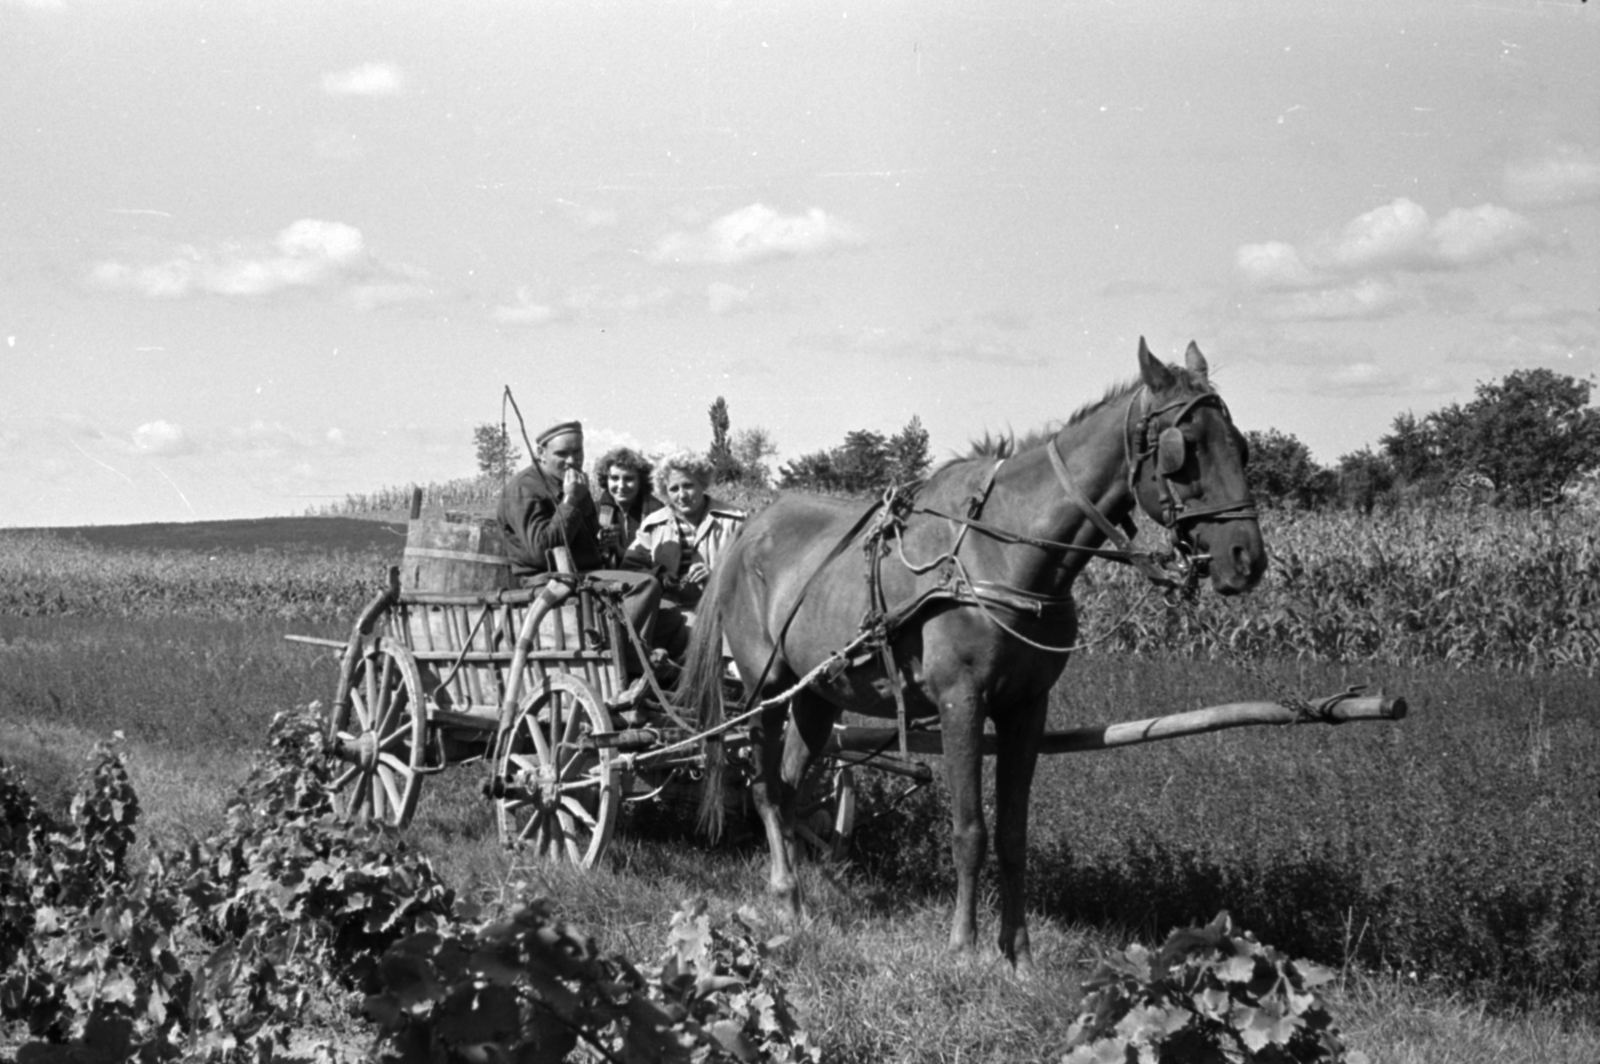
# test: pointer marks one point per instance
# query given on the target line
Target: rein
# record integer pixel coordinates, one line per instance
(1153, 565)
(897, 506)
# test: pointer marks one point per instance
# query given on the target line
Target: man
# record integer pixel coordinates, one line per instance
(549, 505)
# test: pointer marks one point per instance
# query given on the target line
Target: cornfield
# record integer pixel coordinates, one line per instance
(474, 494)
(1482, 587)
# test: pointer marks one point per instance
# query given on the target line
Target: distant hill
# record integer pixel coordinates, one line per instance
(287, 534)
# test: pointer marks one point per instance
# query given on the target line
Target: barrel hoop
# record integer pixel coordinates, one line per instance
(457, 556)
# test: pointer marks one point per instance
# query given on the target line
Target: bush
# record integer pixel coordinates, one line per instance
(1210, 995)
(236, 943)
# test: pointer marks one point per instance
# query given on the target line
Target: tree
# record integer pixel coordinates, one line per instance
(862, 463)
(1364, 478)
(1532, 435)
(1282, 471)
(866, 461)
(809, 472)
(908, 453)
(1413, 449)
(496, 455)
(724, 467)
(751, 448)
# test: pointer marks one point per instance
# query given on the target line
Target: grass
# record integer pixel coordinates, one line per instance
(1423, 857)
(867, 967)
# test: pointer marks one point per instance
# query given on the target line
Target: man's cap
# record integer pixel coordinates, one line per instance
(558, 430)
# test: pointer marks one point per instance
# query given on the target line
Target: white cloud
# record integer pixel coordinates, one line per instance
(1393, 235)
(1366, 299)
(1570, 174)
(587, 217)
(754, 233)
(388, 294)
(307, 254)
(269, 439)
(369, 79)
(524, 314)
(1273, 265)
(311, 239)
(1401, 236)
(1352, 275)
(1359, 379)
(588, 302)
(1531, 310)
(160, 437)
(1481, 234)
(724, 298)
(978, 338)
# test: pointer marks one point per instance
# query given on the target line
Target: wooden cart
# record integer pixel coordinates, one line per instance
(534, 684)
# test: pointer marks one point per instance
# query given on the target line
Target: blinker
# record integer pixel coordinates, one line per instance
(1172, 451)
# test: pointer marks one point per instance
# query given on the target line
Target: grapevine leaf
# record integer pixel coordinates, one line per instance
(1212, 1002)
(730, 1034)
(410, 979)
(382, 1010)
(492, 1015)
(1143, 1024)
(1240, 968)
(1312, 974)
(1264, 1026)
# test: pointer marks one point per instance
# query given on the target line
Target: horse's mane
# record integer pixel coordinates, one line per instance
(1007, 445)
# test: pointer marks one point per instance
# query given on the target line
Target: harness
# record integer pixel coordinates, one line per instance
(1169, 450)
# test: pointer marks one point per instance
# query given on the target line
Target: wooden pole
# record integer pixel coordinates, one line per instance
(1336, 709)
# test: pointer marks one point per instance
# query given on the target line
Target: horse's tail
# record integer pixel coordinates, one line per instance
(699, 690)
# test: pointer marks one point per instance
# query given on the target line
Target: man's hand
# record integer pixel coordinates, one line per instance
(574, 486)
(698, 575)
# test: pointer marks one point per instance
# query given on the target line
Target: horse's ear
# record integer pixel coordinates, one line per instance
(1155, 374)
(1196, 361)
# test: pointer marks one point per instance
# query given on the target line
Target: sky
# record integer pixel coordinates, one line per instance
(256, 256)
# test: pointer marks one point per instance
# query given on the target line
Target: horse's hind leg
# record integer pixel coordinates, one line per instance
(790, 741)
(1017, 737)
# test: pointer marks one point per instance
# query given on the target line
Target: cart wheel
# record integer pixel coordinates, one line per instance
(825, 814)
(379, 728)
(557, 797)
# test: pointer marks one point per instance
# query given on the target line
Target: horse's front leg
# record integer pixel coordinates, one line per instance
(1017, 736)
(962, 730)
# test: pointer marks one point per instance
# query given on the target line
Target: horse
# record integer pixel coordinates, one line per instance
(959, 591)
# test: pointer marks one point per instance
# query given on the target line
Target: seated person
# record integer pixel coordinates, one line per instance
(549, 505)
(624, 501)
(681, 544)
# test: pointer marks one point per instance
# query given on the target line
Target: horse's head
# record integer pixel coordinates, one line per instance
(1186, 467)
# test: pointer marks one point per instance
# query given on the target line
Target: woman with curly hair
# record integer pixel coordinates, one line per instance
(624, 501)
(681, 544)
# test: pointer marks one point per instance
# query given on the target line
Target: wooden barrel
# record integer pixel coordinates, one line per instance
(455, 552)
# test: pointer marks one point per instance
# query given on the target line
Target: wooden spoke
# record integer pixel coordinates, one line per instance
(825, 814)
(379, 728)
(562, 798)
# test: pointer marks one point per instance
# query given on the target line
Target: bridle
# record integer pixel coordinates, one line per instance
(1169, 450)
